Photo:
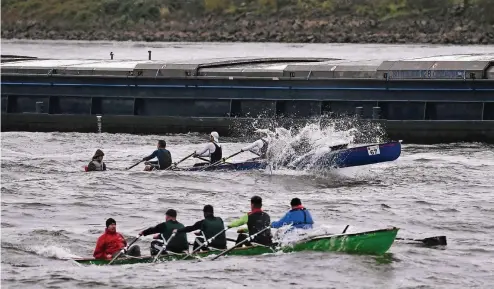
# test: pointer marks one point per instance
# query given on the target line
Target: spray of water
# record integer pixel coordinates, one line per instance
(306, 145)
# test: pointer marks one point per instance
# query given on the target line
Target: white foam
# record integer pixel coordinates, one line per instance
(54, 251)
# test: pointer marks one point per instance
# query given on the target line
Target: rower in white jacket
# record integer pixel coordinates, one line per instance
(259, 147)
(212, 149)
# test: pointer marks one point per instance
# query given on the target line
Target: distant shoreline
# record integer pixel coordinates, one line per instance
(384, 23)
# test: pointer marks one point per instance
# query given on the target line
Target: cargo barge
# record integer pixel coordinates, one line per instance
(420, 101)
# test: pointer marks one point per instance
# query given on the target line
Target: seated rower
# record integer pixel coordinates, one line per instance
(259, 147)
(299, 217)
(210, 226)
(178, 244)
(164, 158)
(212, 149)
(97, 164)
(111, 242)
(256, 221)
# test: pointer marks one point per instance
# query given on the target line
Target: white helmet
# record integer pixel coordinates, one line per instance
(215, 136)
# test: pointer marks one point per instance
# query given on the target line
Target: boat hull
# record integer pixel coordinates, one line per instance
(369, 243)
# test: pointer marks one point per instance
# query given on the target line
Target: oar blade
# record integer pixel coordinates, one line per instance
(435, 241)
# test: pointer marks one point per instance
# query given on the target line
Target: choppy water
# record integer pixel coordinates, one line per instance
(52, 211)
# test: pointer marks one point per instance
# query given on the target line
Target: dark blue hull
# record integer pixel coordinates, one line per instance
(350, 157)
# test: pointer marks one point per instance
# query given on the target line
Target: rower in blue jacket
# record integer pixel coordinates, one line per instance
(299, 217)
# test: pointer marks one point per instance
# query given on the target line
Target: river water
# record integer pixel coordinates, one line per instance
(52, 211)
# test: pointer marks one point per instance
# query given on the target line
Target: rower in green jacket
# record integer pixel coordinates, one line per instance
(178, 244)
(210, 226)
(256, 221)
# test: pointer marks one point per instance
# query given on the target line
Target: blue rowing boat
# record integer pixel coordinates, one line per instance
(338, 157)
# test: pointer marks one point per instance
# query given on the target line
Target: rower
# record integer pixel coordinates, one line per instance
(162, 154)
(212, 149)
(111, 242)
(178, 244)
(256, 221)
(259, 147)
(210, 226)
(97, 164)
(299, 217)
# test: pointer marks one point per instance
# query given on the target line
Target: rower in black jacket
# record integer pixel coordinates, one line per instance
(210, 226)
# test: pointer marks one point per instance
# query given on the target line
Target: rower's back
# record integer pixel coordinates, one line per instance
(179, 243)
(257, 221)
(212, 226)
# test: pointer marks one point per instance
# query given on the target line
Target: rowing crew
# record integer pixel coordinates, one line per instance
(212, 150)
(210, 228)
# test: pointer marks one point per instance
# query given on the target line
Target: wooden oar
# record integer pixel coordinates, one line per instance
(134, 165)
(206, 243)
(222, 160)
(431, 241)
(124, 250)
(176, 164)
(165, 243)
(248, 239)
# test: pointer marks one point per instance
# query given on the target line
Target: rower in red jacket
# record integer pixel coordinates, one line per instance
(111, 242)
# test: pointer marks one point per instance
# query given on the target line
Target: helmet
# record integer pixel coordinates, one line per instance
(215, 136)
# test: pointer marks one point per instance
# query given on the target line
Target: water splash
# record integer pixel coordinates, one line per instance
(53, 251)
(306, 144)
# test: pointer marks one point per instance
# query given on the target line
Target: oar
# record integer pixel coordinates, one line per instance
(222, 160)
(134, 165)
(257, 244)
(248, 239)
(124, 250)
(165, 243)
(205, 244)
(206, 160)
(345, 229)
(176, 164)
(431, 241)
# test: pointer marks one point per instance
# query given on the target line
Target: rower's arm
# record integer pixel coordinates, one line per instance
(188, 229)
(253, 145)
(151, 156)
(239, 222)
(154, 230)
(207, 149)
(282, 222)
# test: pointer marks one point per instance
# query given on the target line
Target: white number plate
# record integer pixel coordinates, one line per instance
(373, 150)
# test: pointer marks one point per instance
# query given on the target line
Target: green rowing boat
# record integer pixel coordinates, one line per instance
(371, 242)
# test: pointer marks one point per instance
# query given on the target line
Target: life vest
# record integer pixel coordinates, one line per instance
(257, 221)
(263, 151)
(304, 211)
(179, 242)
(217, 155)
(99, 165)
(212, 226)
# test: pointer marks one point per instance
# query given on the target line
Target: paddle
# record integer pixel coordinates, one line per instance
(176, 164)
(345, 229)
(203, 159)
(248, 239)
(222, 160)
(124, 250)
(257, 244)
(134, 165)
(165, 243)
(431, 241)
(206, 243)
